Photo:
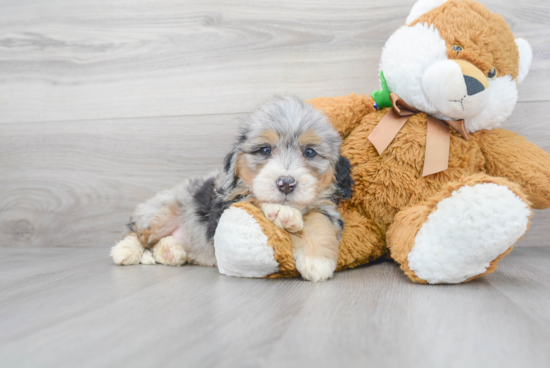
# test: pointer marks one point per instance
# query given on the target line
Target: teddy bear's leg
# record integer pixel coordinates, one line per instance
(461, 233)
(362, 241)
(250, 245)
(247, 244)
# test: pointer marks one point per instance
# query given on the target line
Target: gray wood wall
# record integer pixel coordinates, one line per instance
(105, 102)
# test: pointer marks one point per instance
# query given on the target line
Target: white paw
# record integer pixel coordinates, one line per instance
(128, 251)
(241, 246)
(315, 268)
(169, 251)
(147, 258)
(466, 232)
(285, 217)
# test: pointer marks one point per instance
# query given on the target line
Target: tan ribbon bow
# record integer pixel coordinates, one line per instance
(438, 136)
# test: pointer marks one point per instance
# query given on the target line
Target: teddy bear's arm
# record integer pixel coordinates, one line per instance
(511, 156)
(345, 112)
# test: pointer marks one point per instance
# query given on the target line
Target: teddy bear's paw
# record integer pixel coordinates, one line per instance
(285, 217)
(467, 231)
(315, 268)
(242, 248)
(169, 251)
(128, 251)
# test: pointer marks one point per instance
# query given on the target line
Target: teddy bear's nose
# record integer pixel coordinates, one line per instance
(473, 86)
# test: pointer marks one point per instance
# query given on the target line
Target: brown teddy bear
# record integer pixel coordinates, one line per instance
(439, 187)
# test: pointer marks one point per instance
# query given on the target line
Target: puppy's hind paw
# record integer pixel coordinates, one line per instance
(128, 251)
(315, 268)
(147, 258)
(169, 251)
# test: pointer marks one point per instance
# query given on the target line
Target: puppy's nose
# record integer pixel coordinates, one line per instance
(286, 184)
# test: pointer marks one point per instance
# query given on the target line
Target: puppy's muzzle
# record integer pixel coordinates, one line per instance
(286, 184)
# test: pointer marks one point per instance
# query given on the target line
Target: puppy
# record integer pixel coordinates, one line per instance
(286, 161)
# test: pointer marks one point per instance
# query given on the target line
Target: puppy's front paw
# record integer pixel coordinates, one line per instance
(315, 268)
(285, 217)
(169, 251)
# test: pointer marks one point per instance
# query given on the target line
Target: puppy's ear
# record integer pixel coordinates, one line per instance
(344, 182)
(230, 169)
(229, 161)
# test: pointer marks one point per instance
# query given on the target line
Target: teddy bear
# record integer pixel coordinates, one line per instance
(440, 188)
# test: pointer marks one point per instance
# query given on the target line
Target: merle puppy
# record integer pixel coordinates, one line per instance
(286, 161)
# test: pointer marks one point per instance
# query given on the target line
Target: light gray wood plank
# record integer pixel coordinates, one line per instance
(90, 59)
(524, 280)
(77, 183)
(99, 315)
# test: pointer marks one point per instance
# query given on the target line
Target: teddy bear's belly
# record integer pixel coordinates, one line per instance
(387, 183)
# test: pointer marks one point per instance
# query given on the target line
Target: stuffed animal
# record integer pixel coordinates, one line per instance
(439, 187)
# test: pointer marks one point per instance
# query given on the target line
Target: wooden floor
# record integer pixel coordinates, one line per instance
(72, 308)
(105, 102)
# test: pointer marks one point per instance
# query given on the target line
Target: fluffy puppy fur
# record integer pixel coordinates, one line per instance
(286, 160)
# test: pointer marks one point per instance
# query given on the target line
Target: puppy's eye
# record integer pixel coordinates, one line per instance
(265, 151)
(310, 153)
(457, 48)
(492, 74)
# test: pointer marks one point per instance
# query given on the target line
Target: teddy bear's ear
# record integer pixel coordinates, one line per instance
(525, 57)
(422, 7)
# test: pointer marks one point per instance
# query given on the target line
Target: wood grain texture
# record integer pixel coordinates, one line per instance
(102, 59)
(103, 103)
(72, 307)
(77, 183)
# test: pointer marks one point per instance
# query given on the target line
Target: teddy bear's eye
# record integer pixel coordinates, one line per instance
(457, 48)
(492, 74)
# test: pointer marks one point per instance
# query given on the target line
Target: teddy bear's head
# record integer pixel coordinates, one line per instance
(456, 60)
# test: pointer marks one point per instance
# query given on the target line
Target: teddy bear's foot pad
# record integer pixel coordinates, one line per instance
(242, 249)
(466, 232)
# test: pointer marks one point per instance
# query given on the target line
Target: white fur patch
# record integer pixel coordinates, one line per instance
(422, 7)
(445, 86)
(503, 95)
(241, 246)
(466, 232)
(147, 258)
(421, 46)
(128, 251)
(525, 58)
(315, 268)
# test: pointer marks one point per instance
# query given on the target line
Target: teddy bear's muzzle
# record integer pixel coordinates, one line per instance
(457, 88)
